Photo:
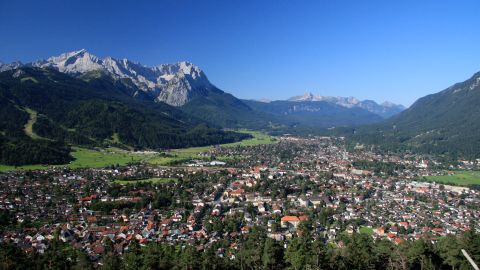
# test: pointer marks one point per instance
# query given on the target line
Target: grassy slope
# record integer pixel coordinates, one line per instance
(106, 157)
(458, 178)
(29, 125)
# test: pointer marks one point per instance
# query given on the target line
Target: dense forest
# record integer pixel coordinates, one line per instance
(257, 251)
(92, 111)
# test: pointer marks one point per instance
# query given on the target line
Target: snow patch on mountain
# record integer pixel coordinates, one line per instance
(385, 110)
(13, 65)
(174, 84)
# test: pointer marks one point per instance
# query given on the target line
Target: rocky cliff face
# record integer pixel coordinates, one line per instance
(187, 82)
(14, 65)
(174, 84)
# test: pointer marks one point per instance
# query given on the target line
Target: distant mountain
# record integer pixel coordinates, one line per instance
(385, 110)
(44, 112)
(447, 123)
(14, 65)
(320, 114)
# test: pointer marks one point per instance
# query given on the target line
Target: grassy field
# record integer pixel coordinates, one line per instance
(106, 157)
(258, 138)
(6, 168)
(460, 178)
(194, 152)
(366, 230)
(150, 180)
(89, 158)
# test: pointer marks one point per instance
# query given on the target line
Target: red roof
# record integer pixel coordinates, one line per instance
(290, 218)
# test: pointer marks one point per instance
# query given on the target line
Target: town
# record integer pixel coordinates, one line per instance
(286, 188)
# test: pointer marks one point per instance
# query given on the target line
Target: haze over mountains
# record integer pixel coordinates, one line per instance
(385, 109)
(325, 111)
(315, 114)
(175, 105)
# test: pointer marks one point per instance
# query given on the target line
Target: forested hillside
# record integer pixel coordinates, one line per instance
(445, 123)
(220, 108)
(94, 111)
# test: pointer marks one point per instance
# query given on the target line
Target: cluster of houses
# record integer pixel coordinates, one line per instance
(278, 186)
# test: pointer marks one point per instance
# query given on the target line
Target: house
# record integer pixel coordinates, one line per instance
(316, 201)
(261, 208)
(289, 220)
(380, 231)
(303, 201)
(292, 220)
(217, 163)
(276, 236)
(276, 209)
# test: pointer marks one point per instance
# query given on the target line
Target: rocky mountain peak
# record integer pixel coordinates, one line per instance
(13, 65)
(385, 110)
(174, 84)
(308, 96)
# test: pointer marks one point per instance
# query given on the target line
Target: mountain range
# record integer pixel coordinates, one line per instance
(315, 114)
(77, 98)
(181, 85)
(174, 84)
(385, 109)
(316, 111)
(186, 86)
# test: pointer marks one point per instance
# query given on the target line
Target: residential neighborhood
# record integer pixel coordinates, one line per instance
(294, 185)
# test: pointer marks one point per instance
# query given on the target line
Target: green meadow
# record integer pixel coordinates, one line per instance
(88, 158)
(104, 157)
(98, 158)
(179, 155)
(460, 178)
(366, 230)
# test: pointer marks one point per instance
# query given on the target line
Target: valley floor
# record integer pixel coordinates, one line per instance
(307, 202)
(98, 158)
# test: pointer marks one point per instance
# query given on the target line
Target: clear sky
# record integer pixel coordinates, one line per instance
(381, 50)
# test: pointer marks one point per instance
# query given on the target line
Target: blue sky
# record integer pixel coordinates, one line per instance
(382, 50)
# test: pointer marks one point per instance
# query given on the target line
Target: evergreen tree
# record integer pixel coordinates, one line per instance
(272, 256)
(110, 260)
(133, 258)
(298, 253)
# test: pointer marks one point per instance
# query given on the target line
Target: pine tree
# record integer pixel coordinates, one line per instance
(272, 257)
